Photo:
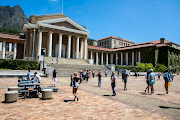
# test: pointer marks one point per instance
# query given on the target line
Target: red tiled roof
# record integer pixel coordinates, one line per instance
(133, 47)
(99, 48)
(9, 36)
(116, 38)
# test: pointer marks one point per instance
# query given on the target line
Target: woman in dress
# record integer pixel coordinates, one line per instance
(75, 85)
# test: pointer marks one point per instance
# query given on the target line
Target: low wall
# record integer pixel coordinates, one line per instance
(15, 73)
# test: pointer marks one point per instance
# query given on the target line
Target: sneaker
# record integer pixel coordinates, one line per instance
(167, 94)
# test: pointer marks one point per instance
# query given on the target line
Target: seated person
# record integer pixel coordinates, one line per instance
(36, 78)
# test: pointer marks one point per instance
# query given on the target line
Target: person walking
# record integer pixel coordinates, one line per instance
(81, 76)
(84, 74)
(159, 76)
(99, 78)
(152, 81)
(135, 74)
(106, 73)
(118, 73)
(167, 79)
(87, 76)
(28, 75)
(54, 77)
(124, 79)
(113, 83)
(172, 76)
(147, 81)
(75, 85)
(93, 74)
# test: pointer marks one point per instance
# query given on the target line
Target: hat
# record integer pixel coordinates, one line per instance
(151, 70)
(75, 73)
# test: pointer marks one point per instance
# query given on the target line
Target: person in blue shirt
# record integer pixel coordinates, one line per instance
(28, 75)
(152, 81)
(167, 79)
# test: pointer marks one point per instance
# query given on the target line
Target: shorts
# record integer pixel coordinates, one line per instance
(147, 82)
(76, 85)
(55, 80)
(166, 83)
(125, 81)
(152, 82)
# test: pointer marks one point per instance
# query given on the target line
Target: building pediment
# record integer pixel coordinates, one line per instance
(65, 24)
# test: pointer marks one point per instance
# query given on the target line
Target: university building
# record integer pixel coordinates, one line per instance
(58, 36)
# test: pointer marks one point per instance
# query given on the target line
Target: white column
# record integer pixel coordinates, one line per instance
(0, 46)
(111, 58)
(126, 58)
(39, 43)
(133, 58)
(139, 57)
(15, 50)
(121, 58)
(106, 58)
(4, 50)
(102, 59)
(50, 44)
(81, 49)
(60, 45)
(116, 58)
(91, 54)
(69, 46)
(96, 58)
(85, 48)
(10, 47)
(77, 47)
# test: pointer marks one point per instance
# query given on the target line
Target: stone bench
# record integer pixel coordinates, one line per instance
(13, 88)
(11, 96)
(47, 94)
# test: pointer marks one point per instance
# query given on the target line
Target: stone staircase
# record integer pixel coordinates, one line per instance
(66, 67)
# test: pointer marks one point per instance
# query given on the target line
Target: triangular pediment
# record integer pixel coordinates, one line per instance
(65, 23)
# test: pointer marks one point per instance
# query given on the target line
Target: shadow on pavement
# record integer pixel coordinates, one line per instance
(68, 100)
(165, 107)
(107, 95)
(95, 86)
(143, 93)
(160, 94)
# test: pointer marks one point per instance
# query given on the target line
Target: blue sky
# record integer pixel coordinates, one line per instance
(135, 20)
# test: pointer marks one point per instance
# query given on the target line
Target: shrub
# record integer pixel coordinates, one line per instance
(160, 68)
(19, 64)
(118, 67)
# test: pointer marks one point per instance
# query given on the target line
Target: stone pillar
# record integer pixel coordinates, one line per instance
(111, 58)
(39, 42)
(10, 47)
(81, 49)
(60, 45)
(91, 54)
(85, 48)
(116, 58)
(106, 58)
(77, 47)
(69, 46)
(4, 50)
(0, 46)
(102, 59)
(121, 58)
(96, 58)
(50, 44)
(139, 57)
(133, 58)
(126, 58)
(15, 50)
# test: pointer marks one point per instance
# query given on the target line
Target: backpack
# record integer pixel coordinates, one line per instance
(167, 76)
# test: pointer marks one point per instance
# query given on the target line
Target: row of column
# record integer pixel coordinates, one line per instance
(111, 58)
(3, 49)
(60, 45)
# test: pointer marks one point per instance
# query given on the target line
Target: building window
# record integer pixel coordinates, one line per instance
(105, 43)
(100, 44)
(119, 43)
(7, 46)
(114, 42)
(124, 44)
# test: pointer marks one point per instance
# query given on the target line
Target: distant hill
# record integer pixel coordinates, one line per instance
(12, 19)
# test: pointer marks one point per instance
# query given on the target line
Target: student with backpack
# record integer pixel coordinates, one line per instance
(124, 78)
(152, 81)
(167, 79)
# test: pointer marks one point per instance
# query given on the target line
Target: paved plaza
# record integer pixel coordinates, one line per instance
(96, 103)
